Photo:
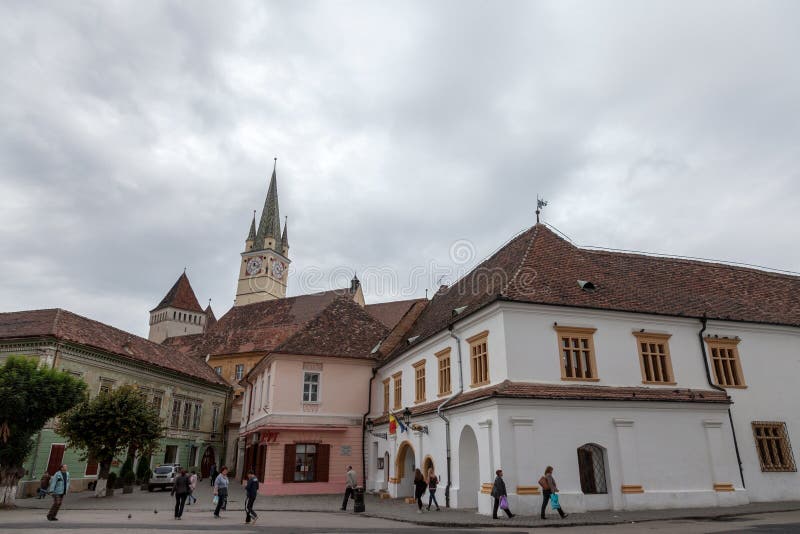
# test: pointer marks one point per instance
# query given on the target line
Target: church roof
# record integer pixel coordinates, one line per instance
(67, 326)
(256, 327)
(270, 223)
(343, 328)
(285, 236)
(211, 319)
(180, 296)
(537, 266)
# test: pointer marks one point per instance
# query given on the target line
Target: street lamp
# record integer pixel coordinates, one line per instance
(370, 426)
(407, 421)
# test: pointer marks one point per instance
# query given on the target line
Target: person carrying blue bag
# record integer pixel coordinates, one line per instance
(550, 492)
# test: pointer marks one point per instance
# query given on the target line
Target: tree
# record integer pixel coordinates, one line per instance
(108, 425)
(30, 395)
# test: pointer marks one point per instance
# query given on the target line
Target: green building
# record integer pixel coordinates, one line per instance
(190, 397)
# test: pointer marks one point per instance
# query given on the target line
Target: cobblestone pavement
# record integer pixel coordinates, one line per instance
(162, 503)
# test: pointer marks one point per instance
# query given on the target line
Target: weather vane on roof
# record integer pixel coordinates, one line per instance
(540, 203)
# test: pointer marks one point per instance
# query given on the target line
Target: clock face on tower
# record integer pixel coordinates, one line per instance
(277, 269)
(253, 266)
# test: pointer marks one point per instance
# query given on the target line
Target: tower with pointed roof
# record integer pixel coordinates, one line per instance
(178, 314)
(265, 262)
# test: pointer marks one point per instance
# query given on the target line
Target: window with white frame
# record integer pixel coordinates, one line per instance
(239, 373)
(198, 410)
(310, 387)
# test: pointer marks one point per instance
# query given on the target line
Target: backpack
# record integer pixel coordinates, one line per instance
(543, 483)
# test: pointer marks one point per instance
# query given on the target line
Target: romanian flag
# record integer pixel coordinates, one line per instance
(392, 424)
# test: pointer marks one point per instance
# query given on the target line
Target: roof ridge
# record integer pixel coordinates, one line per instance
(657, 256)
(523, 260)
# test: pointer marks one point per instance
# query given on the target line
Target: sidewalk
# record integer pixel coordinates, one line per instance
(394, 509)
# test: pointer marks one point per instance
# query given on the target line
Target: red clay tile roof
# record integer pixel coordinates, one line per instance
(537, 266)
(67, 326)
(181, 296)
(390, 313)
(342, 329)
(531, 390)
(261, 326)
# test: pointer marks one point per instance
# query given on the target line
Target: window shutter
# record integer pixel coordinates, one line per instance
(288, 462)
(323, 462)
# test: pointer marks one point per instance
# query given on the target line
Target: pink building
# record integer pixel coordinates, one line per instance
(305, 401)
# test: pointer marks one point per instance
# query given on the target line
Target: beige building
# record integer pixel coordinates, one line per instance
(190, 398)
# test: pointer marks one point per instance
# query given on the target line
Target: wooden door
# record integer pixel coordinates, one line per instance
(56, 458)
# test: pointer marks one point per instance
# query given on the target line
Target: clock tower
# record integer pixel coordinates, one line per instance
(265, 260)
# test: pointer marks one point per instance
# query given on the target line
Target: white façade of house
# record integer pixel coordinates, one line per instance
(640, 443)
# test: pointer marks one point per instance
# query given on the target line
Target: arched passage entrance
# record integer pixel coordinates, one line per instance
(468, 469)
(209, 459)
(404, 466)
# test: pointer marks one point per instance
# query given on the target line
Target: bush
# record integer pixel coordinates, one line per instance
(111, 483)
(143, 471)
(126, 474)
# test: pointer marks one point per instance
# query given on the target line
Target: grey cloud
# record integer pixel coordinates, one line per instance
(136, 138)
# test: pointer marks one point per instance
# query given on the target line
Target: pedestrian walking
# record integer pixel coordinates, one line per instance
(252, 492)
(349, 487)
(549, 487)
(419, 488)
(180, 489)
(212, 474)
(192, 486)
(44, 485)
(433, 481)
(221, 490)
(500, 495)
(59, 485)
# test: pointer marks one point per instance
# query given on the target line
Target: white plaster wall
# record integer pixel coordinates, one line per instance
(490, 320)
(672, 453)
(770, 360)
(534, 352)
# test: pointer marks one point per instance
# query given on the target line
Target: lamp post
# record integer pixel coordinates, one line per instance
(370, 426)
(407, 421)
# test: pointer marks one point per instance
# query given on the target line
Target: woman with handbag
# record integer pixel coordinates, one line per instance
(500, 495)
(550, 491)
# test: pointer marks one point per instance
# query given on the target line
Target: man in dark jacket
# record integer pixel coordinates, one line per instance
(252, 492)
(498, 491)
(180, 490)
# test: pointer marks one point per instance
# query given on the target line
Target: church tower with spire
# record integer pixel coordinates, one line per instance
(265, 261)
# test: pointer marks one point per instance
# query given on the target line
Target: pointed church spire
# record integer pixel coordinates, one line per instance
(269, 227)
(251, 236)
(285, 236)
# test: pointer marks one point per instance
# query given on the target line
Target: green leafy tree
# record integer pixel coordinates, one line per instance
(30, 395)
(110, 424)
(143, 471)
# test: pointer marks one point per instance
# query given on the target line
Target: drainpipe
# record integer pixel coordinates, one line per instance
(364, 430)
(447, 421)
(711, 383)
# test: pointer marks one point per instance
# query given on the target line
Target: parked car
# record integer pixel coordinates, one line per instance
(163, 476)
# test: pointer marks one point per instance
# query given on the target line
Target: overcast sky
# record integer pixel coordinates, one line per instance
(136, 138)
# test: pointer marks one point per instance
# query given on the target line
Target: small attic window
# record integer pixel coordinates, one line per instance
(412, 339)
(376, 348)
(586, 285)
(459, 310)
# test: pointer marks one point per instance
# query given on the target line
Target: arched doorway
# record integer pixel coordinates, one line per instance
(209, 459)
(592, 469)
(405, 464)
(468, 469)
